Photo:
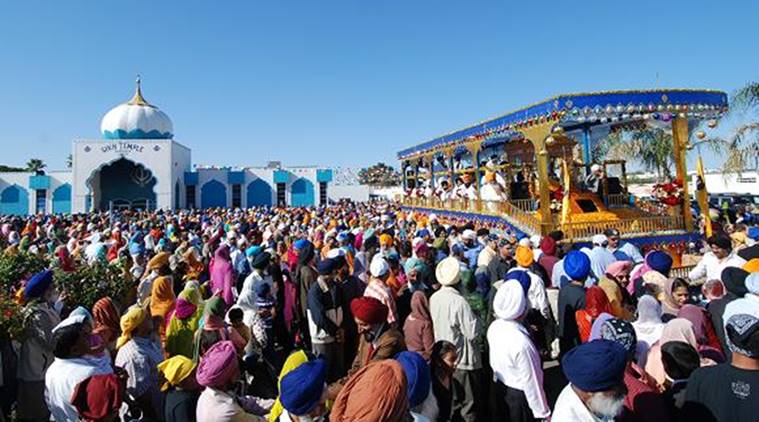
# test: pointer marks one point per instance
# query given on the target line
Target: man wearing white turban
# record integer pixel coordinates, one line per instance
(516, 362)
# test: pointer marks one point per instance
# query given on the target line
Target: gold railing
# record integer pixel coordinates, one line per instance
(528, 205)
(580, 230)
(528, 222)
(618, 200)
(681, 272)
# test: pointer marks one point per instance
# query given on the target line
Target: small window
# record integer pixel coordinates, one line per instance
(40, 199)
(236, 196)
(281, 200)
(190, 196)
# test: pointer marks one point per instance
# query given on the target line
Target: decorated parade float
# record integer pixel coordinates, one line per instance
(541, 161)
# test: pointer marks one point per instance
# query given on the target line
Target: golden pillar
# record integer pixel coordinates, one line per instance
(679, 146)
(537, 134)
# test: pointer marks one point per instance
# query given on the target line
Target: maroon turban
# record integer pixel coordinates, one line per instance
(97, 397)
(369, 310)
(548, 245)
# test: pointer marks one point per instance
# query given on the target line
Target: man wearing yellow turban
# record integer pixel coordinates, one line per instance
(181, 387)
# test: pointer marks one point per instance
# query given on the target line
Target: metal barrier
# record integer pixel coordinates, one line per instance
(618, 201)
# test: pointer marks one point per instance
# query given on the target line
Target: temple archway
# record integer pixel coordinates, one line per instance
(259, 194)
(122, 184)
(62, 199)
(302, 193)
(213, 194)
(14, 200)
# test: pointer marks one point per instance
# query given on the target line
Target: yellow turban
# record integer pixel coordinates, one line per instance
(489, 176)
(293, 361)
(386, 240)
(131, 320)
(524, 256)
(158, 261)
(175, 369)
(752, 266)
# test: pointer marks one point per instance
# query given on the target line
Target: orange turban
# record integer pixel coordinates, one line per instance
(524, 256)
(752, 266)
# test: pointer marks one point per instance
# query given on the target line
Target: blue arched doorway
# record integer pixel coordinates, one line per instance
(302, 193)
(14, 201)
(213, 195)
(259, 194)
(62, 199)
(123, 184)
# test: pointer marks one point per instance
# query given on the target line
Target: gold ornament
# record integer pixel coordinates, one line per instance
(712, 124)
(700, 134)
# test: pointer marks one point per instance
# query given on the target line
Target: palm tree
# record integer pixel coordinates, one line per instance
(36, 165)
(650, 147)
(742, 146)
(70, 161)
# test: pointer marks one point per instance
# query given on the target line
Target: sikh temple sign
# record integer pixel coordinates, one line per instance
(123, 148)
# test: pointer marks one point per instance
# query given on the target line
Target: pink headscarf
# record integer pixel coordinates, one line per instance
(222, 278)
(218, 366)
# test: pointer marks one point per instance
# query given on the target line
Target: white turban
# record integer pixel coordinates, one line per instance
(509, 302)
(600, 239)
(379, 266)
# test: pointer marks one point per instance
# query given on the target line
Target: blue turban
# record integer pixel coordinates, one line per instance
(522, 277)
(418, 376)
(660, 262)
(302, 388)
(325, 266)
(253, 251)
(37, 285)
(81, 310)
(598, 365)
(341, 237)
(261, 260)
(300, 244)
(136, 249)
(577, 265)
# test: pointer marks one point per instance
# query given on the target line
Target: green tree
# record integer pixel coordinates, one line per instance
(379, 175)
(70, 161)
(652, 148)
(35, 165)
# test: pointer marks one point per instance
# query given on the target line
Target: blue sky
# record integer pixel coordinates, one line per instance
(344, 83)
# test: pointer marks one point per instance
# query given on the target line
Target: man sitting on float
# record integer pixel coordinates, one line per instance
(593, 181)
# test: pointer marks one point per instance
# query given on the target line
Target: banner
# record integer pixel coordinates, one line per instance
(702, 197)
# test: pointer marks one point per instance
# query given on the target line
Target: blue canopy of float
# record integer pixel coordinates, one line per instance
(615, 106)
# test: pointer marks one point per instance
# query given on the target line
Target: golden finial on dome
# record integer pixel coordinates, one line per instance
(138, 99)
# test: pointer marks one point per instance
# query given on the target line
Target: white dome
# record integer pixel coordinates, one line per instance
(136, 119)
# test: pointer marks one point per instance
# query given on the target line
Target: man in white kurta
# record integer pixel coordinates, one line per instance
(515, 360)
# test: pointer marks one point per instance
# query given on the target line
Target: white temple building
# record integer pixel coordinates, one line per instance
(139, 165)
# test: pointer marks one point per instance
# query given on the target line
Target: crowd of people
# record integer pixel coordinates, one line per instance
(366, 312)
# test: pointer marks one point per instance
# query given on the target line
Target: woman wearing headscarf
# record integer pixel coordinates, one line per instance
(708, 343)
(596, 303)
(674, 295)
(376, 392)
(162, 302)
(182, 326)
(106, 322)
(214, 329)
(678, 329)
(64, 260)
(417, 329)
(222, 276)
(648, 327)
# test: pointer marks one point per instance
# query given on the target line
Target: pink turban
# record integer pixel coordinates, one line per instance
(619, 269)
(184, 309)
(218, 366)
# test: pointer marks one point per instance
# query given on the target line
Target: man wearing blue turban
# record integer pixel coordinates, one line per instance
(302, 392)
(36, 353)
